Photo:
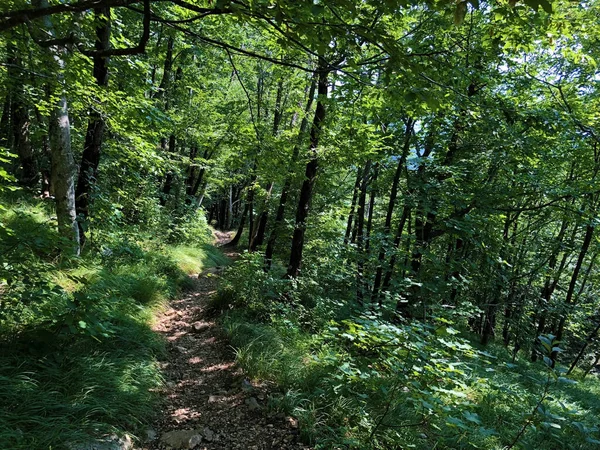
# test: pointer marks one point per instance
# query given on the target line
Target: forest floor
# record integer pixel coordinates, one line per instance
(208, 404)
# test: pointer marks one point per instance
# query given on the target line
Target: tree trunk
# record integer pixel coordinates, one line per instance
(259, 236)
(5, 119)
(409, 126)
(63, 170)
(90, 158)
(288, 181)
(360, 237)
(240, 230)
(62, 166)
(397, 239)
(229, 209)
(372, 196)
(587, 342)
(353, 205)
(191, 178)
(550, 285)
(166, 191)
(22, 142)
(589, 233)
(310, 176)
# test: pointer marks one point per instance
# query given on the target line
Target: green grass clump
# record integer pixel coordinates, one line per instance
(192, 260)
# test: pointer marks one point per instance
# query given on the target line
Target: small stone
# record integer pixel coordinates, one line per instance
(293, 423)
(178, 439)
(195, 441)
(199, 327)
(150, 435)
(270, 425)
(110, 443)
(209, 435)
(252, 404)
(181, 349)
(214, 398)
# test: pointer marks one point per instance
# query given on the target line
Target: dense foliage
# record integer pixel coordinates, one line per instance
(414, 185)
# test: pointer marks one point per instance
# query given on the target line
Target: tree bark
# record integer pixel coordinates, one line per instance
(587, 239)
(92, 147)
(550, 285)
(397, 239)
(409, 126)
(240, 230)
(29, 172)
(372, 196)
(166, 190)
(360, 237)
(353, 205)
(587, 342)
(310, 175)
(288, 181)
(62, 166)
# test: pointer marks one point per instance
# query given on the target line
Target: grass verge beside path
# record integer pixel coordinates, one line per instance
(78, 357)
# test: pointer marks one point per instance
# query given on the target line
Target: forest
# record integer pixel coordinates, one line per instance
(387, 210)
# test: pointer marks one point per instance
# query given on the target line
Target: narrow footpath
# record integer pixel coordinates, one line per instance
(208, 404)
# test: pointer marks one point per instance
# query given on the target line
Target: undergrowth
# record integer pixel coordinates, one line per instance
(78, 357)
(356, 379)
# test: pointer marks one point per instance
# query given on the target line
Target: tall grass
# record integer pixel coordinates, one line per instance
(78, 357)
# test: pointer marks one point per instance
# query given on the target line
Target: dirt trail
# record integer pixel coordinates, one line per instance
(208, 403)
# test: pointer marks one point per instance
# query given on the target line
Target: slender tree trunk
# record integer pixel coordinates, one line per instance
(171, 174)
(360, 237)
(250, 204)
(229, 209)
(589, 233)
(397, 239)
(5, 119)
(15, 120)
(372, 196)
(353, 205)
(63, 170)
(240, 230)
(92, 147)
(29, 175)
(550, 285)
(587, 342)
(288, 181)
(409, 126)
(62, 166)
(191, 178)
(594, 364)
(310, 176)
(206, 156)
(259, 236)
(211, 214)
(165, 82)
